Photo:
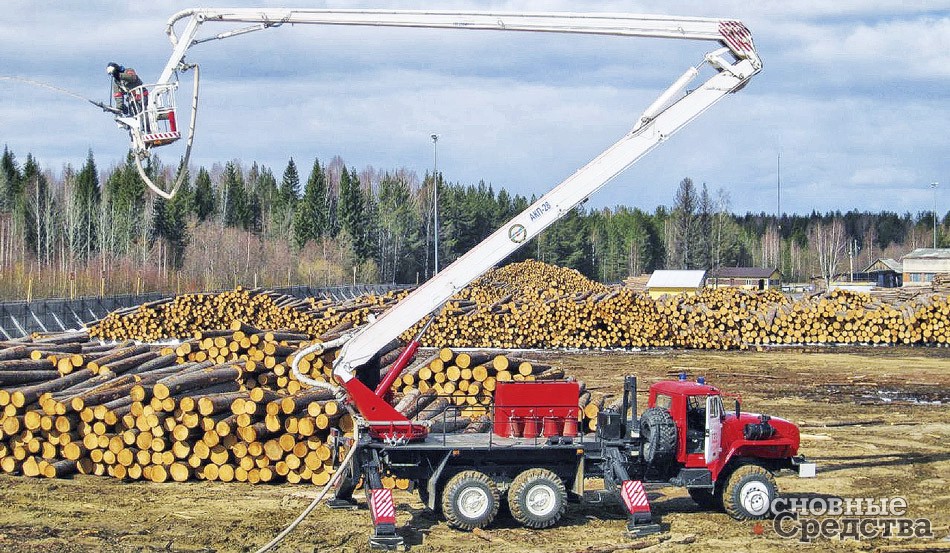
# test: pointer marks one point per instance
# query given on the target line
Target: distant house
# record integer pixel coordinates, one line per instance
(750, 278)
(884, 273)
(675, 282)
(922, 264)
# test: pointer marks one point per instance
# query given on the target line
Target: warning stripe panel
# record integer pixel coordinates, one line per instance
(162, 135)
(634, 496)
(737, 36)
(382, 507)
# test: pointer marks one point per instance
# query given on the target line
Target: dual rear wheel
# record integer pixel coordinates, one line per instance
(537, 498)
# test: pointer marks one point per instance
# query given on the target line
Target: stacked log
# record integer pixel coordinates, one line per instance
(185, 314)
(455, 389)
(220, 402)
(552, 309)
(534, 305)
(221, 405)
(464, 381)
(162, 415)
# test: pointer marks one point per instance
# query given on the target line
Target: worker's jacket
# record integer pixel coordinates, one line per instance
(127, 83)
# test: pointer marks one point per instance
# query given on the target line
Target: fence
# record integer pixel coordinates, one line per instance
(20, 318)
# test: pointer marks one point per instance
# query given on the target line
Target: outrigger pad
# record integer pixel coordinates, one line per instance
(338, 503)
(386, 542)
(638, 530)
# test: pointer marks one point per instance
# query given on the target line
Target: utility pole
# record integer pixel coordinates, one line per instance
(435, 197)
(779, 190)
(933, 185)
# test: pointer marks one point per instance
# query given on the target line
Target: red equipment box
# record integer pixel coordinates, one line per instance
(522, 407)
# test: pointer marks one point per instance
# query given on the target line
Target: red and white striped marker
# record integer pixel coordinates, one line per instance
(162, 136)
(382, 507)
(634, 496)
(737, 36)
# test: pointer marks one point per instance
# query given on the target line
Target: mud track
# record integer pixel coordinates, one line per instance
(876, 420)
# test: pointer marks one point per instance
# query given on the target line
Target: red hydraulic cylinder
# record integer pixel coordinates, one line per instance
(398, 367)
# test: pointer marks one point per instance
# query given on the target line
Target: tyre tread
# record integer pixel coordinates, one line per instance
(459, 481)
(518, 486)
(730, 503)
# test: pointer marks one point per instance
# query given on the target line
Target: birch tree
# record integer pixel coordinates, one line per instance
(828, 242)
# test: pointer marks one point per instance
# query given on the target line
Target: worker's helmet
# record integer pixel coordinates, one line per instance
(113, 69)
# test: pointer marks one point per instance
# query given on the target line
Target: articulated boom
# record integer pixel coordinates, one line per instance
(734, 63)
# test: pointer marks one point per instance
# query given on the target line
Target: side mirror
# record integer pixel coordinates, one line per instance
(737, 409)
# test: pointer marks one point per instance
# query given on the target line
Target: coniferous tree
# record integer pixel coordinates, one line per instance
(400, 242)
(311, 218)
(169, 220)
(289, 191)
(370, 225)
(11, 182)
(204, 199)
(350, 212)
(234, 201)
(86, 198)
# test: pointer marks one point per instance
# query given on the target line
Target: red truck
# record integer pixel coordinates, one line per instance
(685, 437)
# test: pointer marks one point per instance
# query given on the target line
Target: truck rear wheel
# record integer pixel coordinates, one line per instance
(470, 500)
(537, 498)
(658, 436)
(749, 492)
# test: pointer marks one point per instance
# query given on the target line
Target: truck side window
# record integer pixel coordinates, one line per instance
(695, 423)
(664, 401)
(714, 409)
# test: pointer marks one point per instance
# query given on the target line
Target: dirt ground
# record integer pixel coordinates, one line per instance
(901, 395)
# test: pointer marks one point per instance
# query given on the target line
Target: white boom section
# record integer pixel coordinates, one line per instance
(731, 32)
(669, 113)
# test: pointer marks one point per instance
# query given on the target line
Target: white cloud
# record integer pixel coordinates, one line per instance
(883, 175)
(902, 48)
(853, 95)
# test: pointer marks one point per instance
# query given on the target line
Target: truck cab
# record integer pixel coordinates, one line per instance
(725, 458)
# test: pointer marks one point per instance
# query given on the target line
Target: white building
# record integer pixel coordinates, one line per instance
(922, 264)
(675, 282)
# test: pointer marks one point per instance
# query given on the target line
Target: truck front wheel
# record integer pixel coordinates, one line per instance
(537, 498)
(470, 500)
(748, 493)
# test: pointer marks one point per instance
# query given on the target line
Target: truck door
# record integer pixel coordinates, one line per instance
(713, 428)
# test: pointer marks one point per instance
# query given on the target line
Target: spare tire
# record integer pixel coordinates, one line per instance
(657, 436)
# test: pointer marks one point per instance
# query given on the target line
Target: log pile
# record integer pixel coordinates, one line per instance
(537, 306)
(170, 413)
(186, 314)
(222, 405)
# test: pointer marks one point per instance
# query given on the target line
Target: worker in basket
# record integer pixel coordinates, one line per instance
(127, 90)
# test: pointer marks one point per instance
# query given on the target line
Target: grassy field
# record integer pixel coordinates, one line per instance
(900, 397)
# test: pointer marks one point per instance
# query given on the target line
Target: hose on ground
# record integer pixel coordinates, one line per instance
(336, 476)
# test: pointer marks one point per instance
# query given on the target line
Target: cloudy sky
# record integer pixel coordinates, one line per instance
(854, 97)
